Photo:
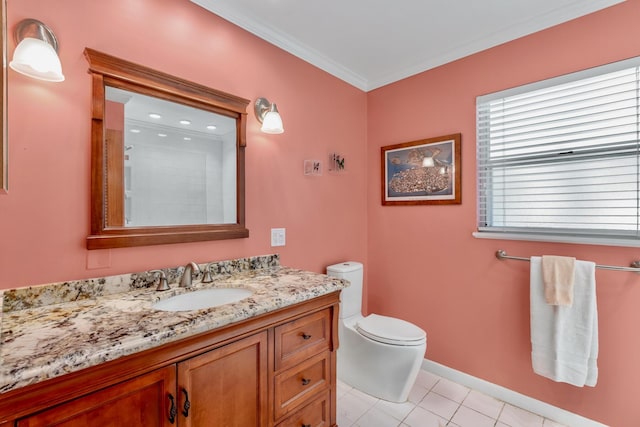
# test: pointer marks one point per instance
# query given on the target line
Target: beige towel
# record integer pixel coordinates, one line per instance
(558, 277)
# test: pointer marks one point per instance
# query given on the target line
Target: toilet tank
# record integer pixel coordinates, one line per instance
(351, 296)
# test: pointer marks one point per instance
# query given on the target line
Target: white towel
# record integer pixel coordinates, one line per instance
(564, 339)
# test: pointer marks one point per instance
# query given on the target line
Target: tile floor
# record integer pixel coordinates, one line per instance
(433, 402)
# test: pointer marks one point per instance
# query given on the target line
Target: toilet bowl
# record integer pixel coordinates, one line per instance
(378, 355)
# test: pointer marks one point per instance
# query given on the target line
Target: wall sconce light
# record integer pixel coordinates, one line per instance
(36, 53)
(267, 114)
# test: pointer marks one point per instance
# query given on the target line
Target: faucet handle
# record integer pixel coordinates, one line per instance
(207, 274)
(161, 280)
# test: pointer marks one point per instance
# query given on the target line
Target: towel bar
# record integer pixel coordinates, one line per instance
(635, 265)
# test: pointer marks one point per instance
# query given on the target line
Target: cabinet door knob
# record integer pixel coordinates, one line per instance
(187, 404)
(305, 336)
(172, 410)
(305, 381)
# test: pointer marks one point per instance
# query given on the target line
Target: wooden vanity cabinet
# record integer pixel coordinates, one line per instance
(222, 387)
(277, 369)
(137, 402)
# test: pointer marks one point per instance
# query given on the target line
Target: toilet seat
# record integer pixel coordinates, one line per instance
(389, 330)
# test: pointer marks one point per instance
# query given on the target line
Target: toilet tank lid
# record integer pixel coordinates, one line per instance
(344, 267)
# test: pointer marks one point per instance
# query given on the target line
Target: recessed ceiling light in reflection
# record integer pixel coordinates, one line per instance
(162, 135)
(135, 131)
(185, 122)
(211, 127)
(186, 138)
(155, 116)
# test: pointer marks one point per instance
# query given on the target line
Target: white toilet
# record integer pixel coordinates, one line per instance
(378, 355)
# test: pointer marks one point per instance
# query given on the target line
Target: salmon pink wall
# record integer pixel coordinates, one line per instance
(425, 266)
(44, 218)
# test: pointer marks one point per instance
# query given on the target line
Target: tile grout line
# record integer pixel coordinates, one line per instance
(459, 405)
(504, 405)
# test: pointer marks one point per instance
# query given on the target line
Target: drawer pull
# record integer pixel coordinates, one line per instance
(305, 381)
(187, 404)
(306, 425)
(172, 410)
(305, 336)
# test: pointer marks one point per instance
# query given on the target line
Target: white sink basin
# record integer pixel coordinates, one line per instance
(204, 298)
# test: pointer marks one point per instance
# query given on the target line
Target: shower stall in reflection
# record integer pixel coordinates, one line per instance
(176, 165)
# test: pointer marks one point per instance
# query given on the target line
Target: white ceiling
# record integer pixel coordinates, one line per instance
(371, 43)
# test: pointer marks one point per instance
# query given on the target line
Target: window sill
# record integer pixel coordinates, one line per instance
(550, 238)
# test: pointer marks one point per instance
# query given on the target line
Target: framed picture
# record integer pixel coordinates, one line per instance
(425, 172)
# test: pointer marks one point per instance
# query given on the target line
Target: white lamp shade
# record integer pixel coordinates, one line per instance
(272, 123)
(38, 59)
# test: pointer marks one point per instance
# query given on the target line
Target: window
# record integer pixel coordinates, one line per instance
(561, 157)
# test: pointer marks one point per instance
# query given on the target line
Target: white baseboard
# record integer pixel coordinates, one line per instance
(514, 398)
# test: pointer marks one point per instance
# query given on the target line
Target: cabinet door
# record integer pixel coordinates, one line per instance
(142, 401)
(226, 386)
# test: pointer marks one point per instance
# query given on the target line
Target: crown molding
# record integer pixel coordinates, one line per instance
(515, 30)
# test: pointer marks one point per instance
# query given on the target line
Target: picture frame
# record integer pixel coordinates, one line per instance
(423, 172)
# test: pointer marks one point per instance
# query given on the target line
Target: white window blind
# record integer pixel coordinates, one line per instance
(562, 156)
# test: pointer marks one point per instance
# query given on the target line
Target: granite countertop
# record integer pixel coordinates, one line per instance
(49, 340)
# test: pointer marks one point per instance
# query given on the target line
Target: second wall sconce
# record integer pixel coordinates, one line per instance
(267, 114)
(36, 53)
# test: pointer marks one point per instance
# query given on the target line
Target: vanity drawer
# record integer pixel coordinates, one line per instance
(299, 339)
(315, 414)
(294, 386)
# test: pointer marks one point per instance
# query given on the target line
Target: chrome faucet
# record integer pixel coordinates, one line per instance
(190, 270)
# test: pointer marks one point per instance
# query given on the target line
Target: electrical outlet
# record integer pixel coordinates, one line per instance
(278, 237)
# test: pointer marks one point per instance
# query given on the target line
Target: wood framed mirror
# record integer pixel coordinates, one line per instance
(167, 158)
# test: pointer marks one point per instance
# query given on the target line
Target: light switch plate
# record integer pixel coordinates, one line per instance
(278, 237)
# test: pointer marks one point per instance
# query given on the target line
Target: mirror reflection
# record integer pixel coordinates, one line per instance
(167, 163)
(168, 177)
